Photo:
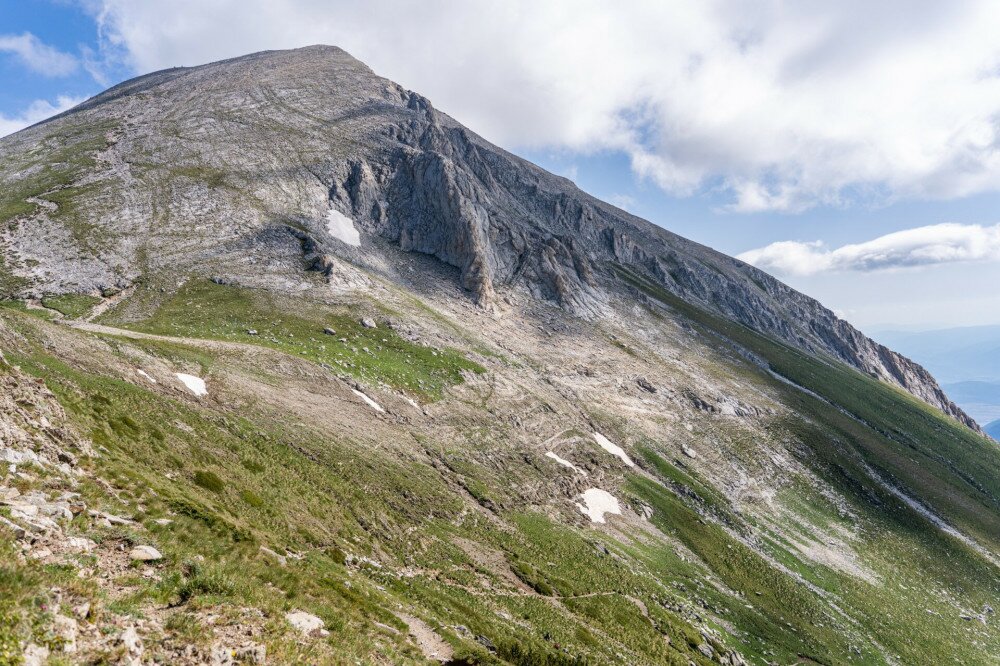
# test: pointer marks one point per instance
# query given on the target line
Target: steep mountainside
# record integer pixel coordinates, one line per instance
(199, 168)
(295, 369)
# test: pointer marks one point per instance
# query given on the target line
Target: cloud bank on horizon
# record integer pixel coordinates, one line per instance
(922, 246)
(777, 106)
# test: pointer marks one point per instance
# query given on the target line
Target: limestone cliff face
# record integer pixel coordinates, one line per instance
(223, 168)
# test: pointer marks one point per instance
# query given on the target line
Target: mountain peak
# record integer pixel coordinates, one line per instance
(189, 169)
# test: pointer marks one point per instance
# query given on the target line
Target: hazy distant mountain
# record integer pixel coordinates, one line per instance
(953, 354)
(980, 400)
(993, 429)
(966, 360)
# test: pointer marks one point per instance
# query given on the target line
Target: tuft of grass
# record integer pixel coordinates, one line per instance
(209, 481)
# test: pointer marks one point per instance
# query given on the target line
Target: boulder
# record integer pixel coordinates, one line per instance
(145, 554)
(307, 623)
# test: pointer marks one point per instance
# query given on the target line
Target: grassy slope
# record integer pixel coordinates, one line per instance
(600, 600)
(322, 499)
(936, 460)
(203, 309)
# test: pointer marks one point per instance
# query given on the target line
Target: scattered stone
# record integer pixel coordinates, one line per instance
(35, 655)
(281, 559)
(254, 653)
(82, 612)
(163, 521)
(486, 643)
(221, 656)
(307, 623)
(251, 331)
(79, 544)
(645, 385)
(66, 629)
(145, 554)
(706, 650)
(329, 331)
(368, 322)
(133, 647)
(19, 532)
(111, 518)
(688, 451)
(40, 553)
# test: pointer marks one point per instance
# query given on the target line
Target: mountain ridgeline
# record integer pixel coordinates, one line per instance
(192, 168)
(294, 368)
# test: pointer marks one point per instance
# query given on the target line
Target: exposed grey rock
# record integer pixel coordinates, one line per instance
(130, 640)
(145, 554)
(35, 655)
(254, 653)
(307, 623)
(67, 630)
(408, 176)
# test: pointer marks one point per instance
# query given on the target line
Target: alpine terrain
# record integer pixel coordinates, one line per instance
(297, 369)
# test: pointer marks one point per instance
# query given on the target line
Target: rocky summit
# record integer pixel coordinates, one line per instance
(298, 369)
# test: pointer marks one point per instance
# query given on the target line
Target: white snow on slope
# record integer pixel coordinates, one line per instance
(143, 373)
(342, 228)
(565, 463)
(371, 403)
(598, 502)
(194, 384)
(613, 448)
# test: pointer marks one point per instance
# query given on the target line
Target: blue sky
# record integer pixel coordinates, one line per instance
(854, 153)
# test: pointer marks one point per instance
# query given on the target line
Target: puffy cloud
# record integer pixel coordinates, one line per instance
(38, 56)
(773, 106)
(922, 246)
(38, 111)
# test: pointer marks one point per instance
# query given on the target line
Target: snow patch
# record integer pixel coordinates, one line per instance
(371, 403)
(194, 384)
(144, 374)
(612, 448)
(565, 463)
(596, 503)
(342, 228)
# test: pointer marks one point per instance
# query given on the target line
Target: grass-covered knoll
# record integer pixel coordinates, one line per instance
(204, 309)
(71, 305)
(931, 456)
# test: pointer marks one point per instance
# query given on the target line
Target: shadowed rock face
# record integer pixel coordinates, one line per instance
(232, 168)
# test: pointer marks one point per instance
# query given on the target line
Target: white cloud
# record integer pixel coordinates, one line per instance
(777, 106)
(38, 56)
(38, 111)
(922, 246)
